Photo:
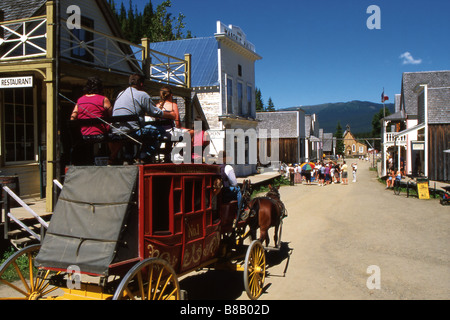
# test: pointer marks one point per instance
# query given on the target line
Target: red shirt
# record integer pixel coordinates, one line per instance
(92, 107)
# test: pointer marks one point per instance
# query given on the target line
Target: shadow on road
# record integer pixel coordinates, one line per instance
(229, 285)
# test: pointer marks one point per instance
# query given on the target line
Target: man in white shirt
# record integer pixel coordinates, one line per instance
(230, 184)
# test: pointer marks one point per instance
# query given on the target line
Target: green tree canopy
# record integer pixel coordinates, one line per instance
(270, 105)
(339, 142)
(259, 101)
(157, 25)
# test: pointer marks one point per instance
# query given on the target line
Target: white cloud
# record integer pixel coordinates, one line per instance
(408, 58)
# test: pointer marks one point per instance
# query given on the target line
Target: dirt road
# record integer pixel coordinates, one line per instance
(335, 233)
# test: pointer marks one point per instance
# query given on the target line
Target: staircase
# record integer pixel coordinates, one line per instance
(20, 224)
(18, 236)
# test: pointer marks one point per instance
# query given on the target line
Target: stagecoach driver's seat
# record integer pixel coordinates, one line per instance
(231, 190)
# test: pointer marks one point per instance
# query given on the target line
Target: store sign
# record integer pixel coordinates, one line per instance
(16, 82)
(418, 146)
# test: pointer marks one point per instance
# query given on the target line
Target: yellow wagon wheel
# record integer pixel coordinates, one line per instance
(150, 279)
(18, 273)
(255, 270)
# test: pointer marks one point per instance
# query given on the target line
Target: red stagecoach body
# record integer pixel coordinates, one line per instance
(173, 214)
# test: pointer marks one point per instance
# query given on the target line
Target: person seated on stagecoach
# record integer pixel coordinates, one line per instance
(231, 190)
(90, 106)
(135, 101)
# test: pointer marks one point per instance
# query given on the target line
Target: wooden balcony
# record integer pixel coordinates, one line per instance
(391, 139)
(31, 39)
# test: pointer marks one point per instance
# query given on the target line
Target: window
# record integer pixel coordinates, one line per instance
(229, 95)
(239, 70)
(249, 100)
(19, 126)
(353, 148)
(361, 150)
(240, 95)
(82, 40)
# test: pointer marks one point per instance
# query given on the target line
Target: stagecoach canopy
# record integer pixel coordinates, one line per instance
(89, 218)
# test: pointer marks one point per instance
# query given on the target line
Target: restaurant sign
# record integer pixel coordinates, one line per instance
(16, 82)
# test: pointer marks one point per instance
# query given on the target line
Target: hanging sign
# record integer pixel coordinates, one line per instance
(16, 82)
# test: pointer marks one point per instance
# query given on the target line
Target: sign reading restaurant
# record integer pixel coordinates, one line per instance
(16, 82)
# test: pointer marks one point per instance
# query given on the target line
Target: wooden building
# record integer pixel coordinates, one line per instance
(223, 79)
(290, 126)
(421, 126)
(353, 147)
(45, 60)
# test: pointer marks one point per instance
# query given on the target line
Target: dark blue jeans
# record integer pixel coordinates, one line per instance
(151, 137)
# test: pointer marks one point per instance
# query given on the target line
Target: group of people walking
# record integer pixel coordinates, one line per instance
(322, 173)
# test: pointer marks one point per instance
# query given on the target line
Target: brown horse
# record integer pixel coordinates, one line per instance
(266, 212)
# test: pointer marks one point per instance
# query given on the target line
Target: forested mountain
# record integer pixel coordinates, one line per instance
(357, 114)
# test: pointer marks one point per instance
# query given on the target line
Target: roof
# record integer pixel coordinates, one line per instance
(287, 122)
(18, 9)
(398, 116)
(328, 142)
(204, 51)
(438, 83)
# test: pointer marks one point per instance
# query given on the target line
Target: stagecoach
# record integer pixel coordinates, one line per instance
(130, 232)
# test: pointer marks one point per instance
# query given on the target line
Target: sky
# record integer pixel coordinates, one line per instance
(323, 51)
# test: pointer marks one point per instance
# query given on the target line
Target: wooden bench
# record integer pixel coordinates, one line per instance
(129, 140)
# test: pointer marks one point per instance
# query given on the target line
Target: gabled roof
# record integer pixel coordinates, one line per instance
(328, 142)
(398, 116)
(410, 81)
(18, 9)
(204, 53)
(287, 122)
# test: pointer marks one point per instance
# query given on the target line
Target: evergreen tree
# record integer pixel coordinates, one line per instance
(376, 126)
(259, 101)
(157, 25)
(270, 105)
(339, 139)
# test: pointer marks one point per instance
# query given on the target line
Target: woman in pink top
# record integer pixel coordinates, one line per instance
(93, 105)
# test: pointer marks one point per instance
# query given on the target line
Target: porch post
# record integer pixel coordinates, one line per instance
(425, 102)
(50, 107)
(383, 133)
(188, 59)
(146, 60)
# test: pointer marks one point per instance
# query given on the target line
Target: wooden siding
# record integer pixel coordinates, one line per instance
(90, 10)
(439, 162)
(288, 150)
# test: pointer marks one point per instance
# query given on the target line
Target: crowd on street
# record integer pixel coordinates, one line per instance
(320, 173)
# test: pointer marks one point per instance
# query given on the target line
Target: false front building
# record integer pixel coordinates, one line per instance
(223, 78)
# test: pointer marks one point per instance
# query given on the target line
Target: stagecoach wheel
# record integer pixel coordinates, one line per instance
(19, 273)
(150, 279)
(255, 270)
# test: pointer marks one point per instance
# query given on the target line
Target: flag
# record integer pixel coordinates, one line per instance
(383, 97)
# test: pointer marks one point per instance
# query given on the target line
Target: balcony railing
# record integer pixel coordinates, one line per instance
(391, 138)
(23, 38)
(167, 69)
(103, 50)
(27, 38)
